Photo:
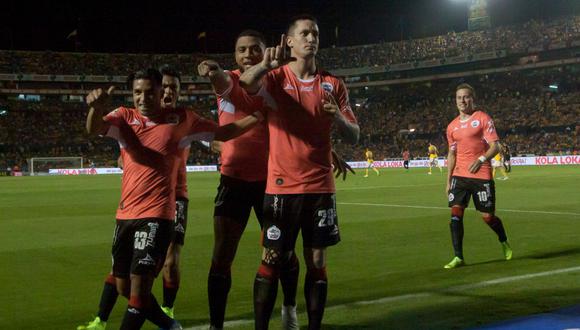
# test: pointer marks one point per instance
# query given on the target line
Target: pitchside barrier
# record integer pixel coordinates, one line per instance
(395, 163)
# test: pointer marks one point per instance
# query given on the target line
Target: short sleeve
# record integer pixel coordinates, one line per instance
(344, 102)
(452, 143)
(489, 132)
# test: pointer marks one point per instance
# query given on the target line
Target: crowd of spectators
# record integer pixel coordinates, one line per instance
(531, 117)
(515, 39)
(53, 128)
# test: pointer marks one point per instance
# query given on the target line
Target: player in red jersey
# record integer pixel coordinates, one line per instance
(406, 156)
(473, 142)
(152, 141)
(243, 181)
(171, 83)
(304, 104)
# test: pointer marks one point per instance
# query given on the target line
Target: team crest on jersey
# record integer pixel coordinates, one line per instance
(172, 118)
(327, 86)
(273, 233)
(475, 123)
(451, 197)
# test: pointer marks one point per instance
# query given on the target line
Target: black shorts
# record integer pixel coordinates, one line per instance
(180, 223)
(314, 214)
(139, 246)
(483, 192)
(236, 198)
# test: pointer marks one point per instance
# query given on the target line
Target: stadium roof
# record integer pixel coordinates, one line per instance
(174, 26)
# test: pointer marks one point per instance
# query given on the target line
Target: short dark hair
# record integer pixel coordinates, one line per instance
(297, 18)
(252, 33)
(149, 74)
(168, 70)
(466, 86)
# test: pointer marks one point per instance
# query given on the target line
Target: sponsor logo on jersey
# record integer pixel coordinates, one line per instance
(306, 88)
(327, 86)
(273, 233)
(475, 123)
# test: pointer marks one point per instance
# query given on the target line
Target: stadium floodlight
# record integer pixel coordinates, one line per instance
(3, 112)
(357, 104)
(554, 86)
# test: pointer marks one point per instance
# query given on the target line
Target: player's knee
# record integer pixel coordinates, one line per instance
(315, 258)
(222, 268)
(457, 213)
(489, 218)
(123, 287)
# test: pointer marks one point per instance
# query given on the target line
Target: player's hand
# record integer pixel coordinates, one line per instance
(99, 99)
(208, 68)
(340, 166)
(475, 166)
(329, 105)
(275, 57)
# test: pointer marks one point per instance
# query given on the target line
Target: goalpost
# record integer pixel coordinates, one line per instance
(41, 165)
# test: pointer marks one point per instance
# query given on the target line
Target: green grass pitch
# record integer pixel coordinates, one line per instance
(55, 237)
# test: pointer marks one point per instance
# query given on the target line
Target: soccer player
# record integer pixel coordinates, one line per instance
(406, 157)
(171, 83)
(433, 154)
(152, 142)
(498, 162)
(370, 162)
(304, 103)
(242, 183)
(473, 141)
(507, 158)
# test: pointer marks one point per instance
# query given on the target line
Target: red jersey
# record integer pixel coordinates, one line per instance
(245, 157)
(470, 139)
(181, 186)
(300, 148)
(406, 155)
(152, 154)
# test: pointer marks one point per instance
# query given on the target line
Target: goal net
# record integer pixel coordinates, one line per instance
(43, 165)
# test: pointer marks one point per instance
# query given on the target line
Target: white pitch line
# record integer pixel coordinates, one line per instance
(419, 295)
(446, 208)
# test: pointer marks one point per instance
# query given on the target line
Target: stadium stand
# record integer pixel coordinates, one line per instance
(536, 109)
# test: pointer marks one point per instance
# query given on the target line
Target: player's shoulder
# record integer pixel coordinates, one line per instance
(480, 114)
(234, 74)
(122, 111)
(453, 122)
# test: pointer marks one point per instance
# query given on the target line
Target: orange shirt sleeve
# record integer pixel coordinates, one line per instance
(344, 103)
(489, 132)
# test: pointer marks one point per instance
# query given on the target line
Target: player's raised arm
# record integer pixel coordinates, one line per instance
(99, 102)
(220, 81)
(238, 127)
(274, 57)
